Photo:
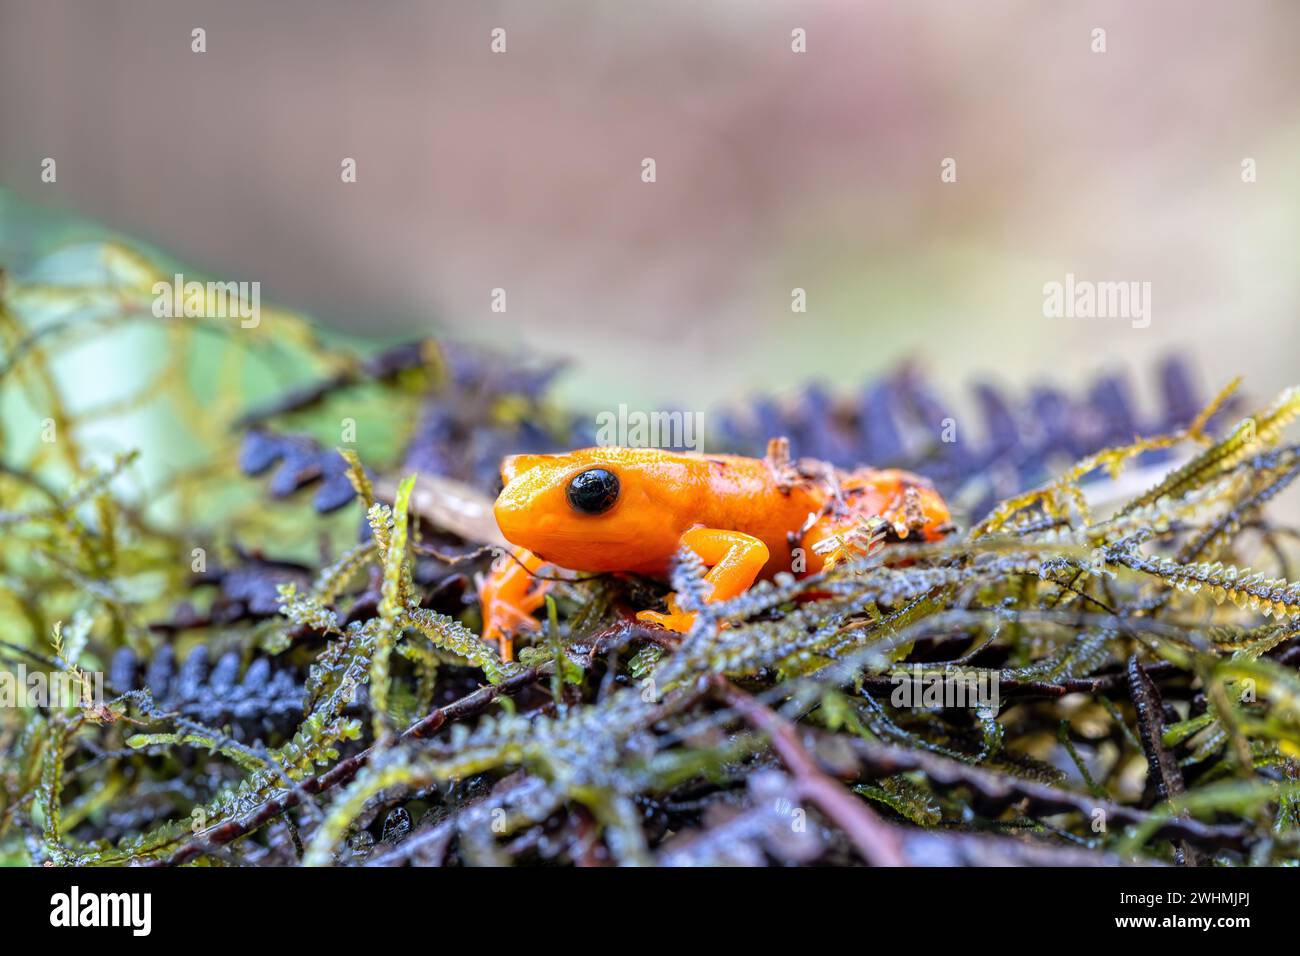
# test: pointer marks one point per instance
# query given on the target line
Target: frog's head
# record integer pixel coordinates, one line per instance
(596, 509)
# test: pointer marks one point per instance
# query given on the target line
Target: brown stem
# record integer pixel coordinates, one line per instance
(877, 841)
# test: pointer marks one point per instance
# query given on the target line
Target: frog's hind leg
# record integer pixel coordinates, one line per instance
(734, 559)
(875, 508)
(509, 595)
(848, 539)
(908, 502)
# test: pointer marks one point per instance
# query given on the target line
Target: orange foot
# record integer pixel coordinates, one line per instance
(509, 595)
(675, 620)
(734, 560)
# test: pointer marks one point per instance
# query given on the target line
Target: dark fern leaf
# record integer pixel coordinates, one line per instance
(255, 702)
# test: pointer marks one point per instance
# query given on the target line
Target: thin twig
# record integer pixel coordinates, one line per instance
(879, 843)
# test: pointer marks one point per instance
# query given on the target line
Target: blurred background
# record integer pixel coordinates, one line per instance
(775, 170)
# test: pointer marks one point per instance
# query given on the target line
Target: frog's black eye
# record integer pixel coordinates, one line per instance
(593, 491)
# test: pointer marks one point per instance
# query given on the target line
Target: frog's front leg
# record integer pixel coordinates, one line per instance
(509, 595)
(734, 561)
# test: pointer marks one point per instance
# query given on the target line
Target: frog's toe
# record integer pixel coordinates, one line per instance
(503, 620)
(678, 621)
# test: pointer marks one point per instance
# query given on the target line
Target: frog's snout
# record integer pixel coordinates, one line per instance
(509, 468)
(522, 513)
(510, 513)
(512, 466)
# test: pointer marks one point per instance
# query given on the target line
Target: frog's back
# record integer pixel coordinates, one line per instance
(791, 512)
(735, 493)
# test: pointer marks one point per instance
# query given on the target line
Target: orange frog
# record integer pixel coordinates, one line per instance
(632, 509)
